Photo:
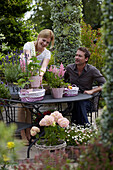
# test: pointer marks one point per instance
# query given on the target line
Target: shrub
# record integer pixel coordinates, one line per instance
(96, 156)
(92, 39)
(48, 161)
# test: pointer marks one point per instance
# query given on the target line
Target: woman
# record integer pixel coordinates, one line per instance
(38, 49)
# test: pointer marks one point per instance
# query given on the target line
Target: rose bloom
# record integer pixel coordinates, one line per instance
(48, 120)
(34, 130)
(63, 122)
(57, 115)
(33, 133)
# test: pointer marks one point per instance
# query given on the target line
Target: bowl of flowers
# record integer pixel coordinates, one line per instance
(54, 126)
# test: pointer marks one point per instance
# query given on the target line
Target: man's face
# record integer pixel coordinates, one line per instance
(80, 58)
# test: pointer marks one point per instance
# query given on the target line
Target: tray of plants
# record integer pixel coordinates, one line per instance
(31, 95)
(71, 91)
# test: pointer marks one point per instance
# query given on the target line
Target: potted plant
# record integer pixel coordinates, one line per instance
(31, 70)
(4, 91)
(54, 78)
(54, 127)
(34, 70)
(12, 73)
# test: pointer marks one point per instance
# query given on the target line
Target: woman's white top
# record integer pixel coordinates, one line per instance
(31, 47)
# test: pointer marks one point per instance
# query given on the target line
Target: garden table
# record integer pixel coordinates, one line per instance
(48, 99)
(35, 107)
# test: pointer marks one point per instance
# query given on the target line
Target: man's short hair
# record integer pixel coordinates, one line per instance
(85, 50)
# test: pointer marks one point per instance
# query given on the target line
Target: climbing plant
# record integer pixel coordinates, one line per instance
(66, 15)
(107, 116)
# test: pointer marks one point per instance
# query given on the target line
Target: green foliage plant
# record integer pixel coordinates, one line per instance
(16, 30)
(92, 12)
(95, 156)
(8, 146)
(92, 39)
(12, 72)
(4, 91)
(41, 15)
(66, 17)
(107, 116)
(33, 67)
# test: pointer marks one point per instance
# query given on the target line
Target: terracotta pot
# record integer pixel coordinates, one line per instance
(36, 81)
(57, 93)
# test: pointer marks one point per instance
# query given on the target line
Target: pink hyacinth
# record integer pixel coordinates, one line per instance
(47, 121)
(57, 115)
(63, 122)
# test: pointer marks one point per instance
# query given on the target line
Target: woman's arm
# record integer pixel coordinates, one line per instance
(43, 68)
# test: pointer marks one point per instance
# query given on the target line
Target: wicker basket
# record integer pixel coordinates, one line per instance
(71, 92)
(31, 95)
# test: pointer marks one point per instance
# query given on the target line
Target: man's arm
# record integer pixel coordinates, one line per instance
(94, 90)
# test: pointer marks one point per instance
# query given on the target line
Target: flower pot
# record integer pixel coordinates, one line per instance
(42, 147)
(36, 81)
(57, 93)
(14, 90)
(50, 154)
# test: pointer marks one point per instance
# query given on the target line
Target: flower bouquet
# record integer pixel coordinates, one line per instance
(54, 128)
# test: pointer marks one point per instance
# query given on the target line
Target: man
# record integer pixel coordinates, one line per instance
(83, 75)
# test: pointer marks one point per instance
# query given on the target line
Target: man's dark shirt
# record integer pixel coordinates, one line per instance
(85, 81)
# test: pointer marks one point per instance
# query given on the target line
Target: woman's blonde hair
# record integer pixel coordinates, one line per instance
(47, 33)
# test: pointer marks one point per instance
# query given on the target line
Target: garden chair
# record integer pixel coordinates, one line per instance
(9, 114)
(94, 106)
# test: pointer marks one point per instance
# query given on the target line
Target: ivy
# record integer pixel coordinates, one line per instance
(107, 116)
(66, 17)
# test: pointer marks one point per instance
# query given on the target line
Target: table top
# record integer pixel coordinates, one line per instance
(49, 99)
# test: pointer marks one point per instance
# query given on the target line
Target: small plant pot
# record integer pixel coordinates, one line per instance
(36, 81)
(57, 93)
(14, 90)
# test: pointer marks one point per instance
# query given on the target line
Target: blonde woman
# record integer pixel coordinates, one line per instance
(38, 49)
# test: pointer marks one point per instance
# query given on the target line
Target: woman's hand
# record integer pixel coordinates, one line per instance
(41, 77)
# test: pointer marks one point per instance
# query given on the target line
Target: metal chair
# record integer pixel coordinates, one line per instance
(94, 106)
(9, 114)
